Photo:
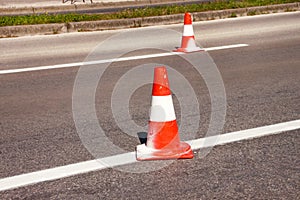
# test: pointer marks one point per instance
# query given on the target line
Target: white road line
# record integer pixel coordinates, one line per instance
(226, 47)
(78, 64)
(244, 134)
(128, 158)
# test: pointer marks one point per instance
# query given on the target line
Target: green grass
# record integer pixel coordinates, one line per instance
(133, 13)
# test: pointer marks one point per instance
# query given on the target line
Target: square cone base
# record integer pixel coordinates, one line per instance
(188, 50)
(183, 151)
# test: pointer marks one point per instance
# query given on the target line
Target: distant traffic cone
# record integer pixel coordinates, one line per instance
(188, 43)
(163, 140)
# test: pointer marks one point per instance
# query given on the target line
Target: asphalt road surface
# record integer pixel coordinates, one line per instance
(110, 6)
(33, 3)
(45, 3)
(261, 81)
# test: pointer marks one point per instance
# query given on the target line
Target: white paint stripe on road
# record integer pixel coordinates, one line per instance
(128, 158)
(66, 171)
(244, 134)
(226, 47)
(78, 64)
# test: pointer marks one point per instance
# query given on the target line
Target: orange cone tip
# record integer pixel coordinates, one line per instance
(163, 140)
(188, 43)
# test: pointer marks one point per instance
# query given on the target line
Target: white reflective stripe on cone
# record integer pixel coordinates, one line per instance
(188, 30)
(162, 109)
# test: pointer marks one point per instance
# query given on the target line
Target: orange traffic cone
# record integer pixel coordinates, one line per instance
(188, 39)
(163, 140)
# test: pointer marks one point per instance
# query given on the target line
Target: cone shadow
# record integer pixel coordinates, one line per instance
(142, 137)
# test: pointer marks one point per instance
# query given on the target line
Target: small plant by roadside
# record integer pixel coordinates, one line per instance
(233, 15)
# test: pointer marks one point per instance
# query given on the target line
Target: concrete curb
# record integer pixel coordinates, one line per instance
(42, 29)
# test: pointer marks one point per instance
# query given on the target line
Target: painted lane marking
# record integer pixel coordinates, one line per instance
(78, 64)
(226, 47)
(129, 158)
(244, 134)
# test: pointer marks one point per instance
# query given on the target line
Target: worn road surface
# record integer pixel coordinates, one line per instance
(261, 82)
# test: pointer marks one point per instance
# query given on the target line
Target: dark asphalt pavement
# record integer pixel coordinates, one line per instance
(262, 88)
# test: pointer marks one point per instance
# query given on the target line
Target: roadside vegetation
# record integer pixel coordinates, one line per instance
(134, 13)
